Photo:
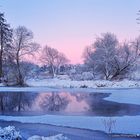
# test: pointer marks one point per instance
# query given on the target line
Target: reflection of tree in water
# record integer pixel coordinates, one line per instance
(15, 101)
(21, 100)
(3, 101)
(80, 96)
(54, 102)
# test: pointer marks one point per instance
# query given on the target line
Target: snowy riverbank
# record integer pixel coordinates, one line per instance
(67, 83)
(126, 124)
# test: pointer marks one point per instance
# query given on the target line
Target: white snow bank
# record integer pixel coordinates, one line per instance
(126, 124)
(57, 137)
(9, 133)
(79, 84)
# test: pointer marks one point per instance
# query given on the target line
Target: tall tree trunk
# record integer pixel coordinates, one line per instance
(20, 77)
(53, 70)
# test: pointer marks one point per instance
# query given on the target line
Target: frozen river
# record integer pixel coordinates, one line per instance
(83, 108)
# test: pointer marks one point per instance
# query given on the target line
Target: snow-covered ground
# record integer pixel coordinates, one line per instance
(67, 83)
(126, 124)
(57, 137)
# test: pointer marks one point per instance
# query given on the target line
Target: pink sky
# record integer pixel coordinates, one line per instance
(71, 25)
(73, 49)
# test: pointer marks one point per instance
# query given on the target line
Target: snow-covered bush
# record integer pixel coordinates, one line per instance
(82, 76)
(9, 133)
(63, 77)
(77, 77)
(87, 76)
(57, 137)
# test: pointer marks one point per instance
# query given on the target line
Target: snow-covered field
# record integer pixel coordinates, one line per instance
(60, 83)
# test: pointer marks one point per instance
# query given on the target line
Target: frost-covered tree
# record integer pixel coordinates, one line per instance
(22, 46)
(5, 39)
(126, 58)
(110, 58)
(100, 56)
(53, 58)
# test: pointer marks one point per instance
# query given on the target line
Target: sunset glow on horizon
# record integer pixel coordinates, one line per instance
(71, 25)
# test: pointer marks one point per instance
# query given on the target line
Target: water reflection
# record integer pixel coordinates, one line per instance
(15, 101)
(52, 101)
(63, 103)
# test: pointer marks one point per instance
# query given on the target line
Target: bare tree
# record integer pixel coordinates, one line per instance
(53, 58)
(89, 61)
(60, 61)
(22, 47)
